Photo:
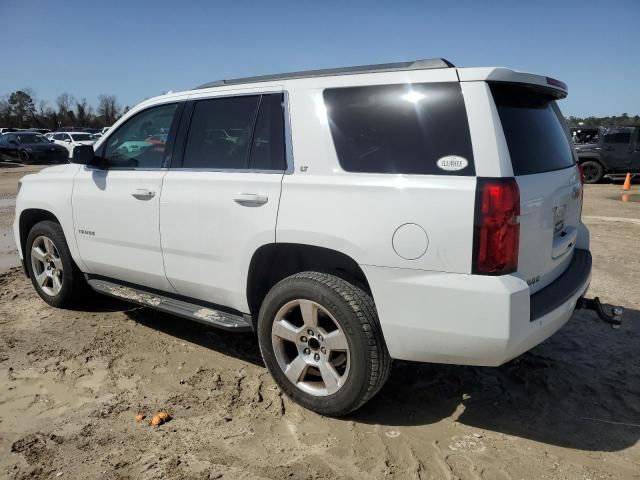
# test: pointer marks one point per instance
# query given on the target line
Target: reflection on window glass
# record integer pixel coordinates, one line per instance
(399, 128)
(267, 151)
(140, 142)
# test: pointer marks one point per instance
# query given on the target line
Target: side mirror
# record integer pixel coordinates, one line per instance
(68, 140)
(83, 155)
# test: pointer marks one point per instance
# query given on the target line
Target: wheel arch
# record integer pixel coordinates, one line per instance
(275, 261)
(593, 158)
(28, 218)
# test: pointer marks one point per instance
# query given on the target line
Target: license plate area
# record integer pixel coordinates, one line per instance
(559, 215)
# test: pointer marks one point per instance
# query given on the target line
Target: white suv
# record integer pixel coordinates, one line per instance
(412, 211)
(70, 140)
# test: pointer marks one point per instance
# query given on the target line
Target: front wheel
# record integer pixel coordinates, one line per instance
(321, 340)
(53, 272)
(592, 171)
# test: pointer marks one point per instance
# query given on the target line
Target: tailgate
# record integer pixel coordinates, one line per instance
(549, 181)
(550, 215)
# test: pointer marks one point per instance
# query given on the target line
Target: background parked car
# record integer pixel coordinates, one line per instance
(71, 140)
(613, 151)
(30, 147)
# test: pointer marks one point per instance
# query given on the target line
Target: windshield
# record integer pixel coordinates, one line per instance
(31, 138)
(81, 137)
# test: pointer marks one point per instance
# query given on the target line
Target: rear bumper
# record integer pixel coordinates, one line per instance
(471, 319)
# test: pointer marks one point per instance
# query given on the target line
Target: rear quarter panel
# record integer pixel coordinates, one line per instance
(358, 213)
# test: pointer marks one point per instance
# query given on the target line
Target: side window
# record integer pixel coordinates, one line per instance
(220, 133)
(141, 141)
(400, 128)
(58, 136)
(617, 137)
(267, 149)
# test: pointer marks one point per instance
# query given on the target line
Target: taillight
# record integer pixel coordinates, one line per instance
(496, 236)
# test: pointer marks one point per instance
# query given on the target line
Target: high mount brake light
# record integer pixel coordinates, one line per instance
(496, 237)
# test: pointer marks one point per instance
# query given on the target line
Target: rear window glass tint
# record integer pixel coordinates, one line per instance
(399, 128)
(220, 133)
(267, 150)
(617, 137)
(535, 131)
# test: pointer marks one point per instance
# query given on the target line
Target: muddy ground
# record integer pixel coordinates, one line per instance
(73, 381)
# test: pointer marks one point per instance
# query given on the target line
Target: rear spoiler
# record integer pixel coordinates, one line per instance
(549, 85)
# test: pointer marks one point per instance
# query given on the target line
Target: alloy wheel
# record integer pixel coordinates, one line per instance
(311, 347)
(47, 265)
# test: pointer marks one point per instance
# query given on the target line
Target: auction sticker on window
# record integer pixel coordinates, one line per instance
(452, 163)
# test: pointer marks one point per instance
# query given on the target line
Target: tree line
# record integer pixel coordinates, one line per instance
(22, 109)
(620, 120)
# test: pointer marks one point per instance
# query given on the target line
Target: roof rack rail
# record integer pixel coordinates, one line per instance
(380, 67)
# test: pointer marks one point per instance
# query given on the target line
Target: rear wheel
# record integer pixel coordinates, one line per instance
(53, 272)
(320, 339)
(592, 171)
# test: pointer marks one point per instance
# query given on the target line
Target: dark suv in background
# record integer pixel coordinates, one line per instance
(612, 151)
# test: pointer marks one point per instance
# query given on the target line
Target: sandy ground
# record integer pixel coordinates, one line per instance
(73, 381)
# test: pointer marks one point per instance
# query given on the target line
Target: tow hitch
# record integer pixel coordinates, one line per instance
(614, 318)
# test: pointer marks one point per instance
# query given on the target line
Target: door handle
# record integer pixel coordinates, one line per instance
(143, 194)
(250, 199)
(608, 149)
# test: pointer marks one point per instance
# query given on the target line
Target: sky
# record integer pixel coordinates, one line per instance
(139, 49)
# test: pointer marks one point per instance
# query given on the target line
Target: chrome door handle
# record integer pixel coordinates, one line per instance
(250, 199)
(143, 194)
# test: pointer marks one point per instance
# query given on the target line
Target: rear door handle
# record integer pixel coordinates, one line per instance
(250, 199)
(143, 193)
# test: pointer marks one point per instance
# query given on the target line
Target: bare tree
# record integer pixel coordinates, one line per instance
(108, 108)
(84, 112)
(65, 104)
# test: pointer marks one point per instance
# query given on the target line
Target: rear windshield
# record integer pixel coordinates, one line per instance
(534, 128)
(81, 137)
(404, 128)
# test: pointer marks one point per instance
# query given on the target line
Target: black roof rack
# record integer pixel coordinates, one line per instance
(380, 67)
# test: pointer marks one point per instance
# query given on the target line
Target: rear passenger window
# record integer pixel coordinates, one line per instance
(220, 133)
(267, 150)
(399, 128)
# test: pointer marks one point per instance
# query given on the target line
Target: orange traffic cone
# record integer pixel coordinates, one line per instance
(627, 183)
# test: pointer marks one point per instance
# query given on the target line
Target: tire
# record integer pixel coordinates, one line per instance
(52, 250)
(24, 157)
(592, 171)
(338, 356)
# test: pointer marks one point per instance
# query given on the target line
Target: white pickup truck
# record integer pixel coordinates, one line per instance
(351, 216)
